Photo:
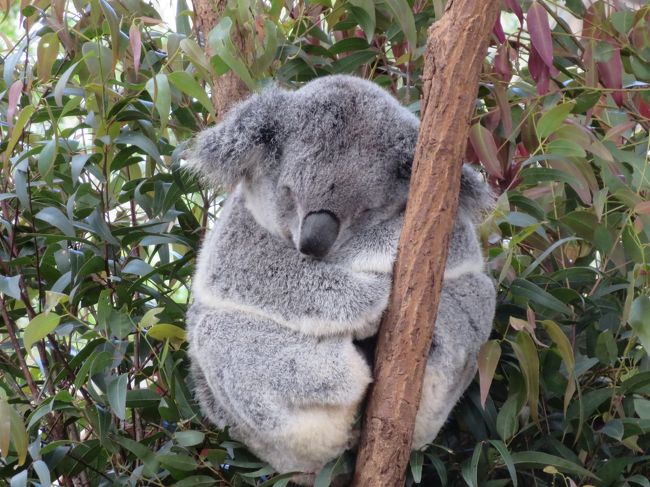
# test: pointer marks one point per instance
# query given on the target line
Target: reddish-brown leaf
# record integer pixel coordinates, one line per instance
(135, 39)
(484, 145)
(516, 9)
(610, 74)
(619, 130)
(642, 208)
(497, 30)
(502, 64)
(642, 105)
(488, 358)
(15, 90)
(539, 72)
(540, 33)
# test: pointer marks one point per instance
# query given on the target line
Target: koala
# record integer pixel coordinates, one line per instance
(298, 268)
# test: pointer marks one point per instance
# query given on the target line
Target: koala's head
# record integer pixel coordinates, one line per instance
(317, 164)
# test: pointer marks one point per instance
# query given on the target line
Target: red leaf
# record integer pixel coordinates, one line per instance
(15, 90)
(516, 9)
(618, 130)
(610, 74)
(502, 62)
(470, 155)
(540, 33)
(497, 30)
(642, 105)
(135, 39)
(539, 72)
(484, 145)
(593, 21)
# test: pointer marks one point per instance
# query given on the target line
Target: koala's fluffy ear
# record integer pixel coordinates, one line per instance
(476, 197)
(247, 137)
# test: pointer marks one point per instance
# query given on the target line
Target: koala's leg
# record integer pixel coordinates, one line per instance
(323, 393)
(291, 399)
(464, 323)
(203, 395)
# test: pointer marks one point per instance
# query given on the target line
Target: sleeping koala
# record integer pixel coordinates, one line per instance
(299, 264)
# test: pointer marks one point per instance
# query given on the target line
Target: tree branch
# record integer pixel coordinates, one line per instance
(455, 53)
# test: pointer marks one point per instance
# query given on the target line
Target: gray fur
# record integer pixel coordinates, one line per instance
(271, 330)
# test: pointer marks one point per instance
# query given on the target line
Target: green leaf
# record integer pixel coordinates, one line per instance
(140, 141)
(40, 467)
(142, 398)
(622, 21)
(566, 148)
(188, 85)
(507, 459)
(553, 119)
(143, 454)
(150, 317)
(116, 393)
(55, 217)
(263, 62)
(23, 117)
(532, 292)
(17, 432)
(197, 481)
(364, 11)
(98, 60)
(219, 40)
(470, 470)
(165, 331)
(404, 15)
(62, 83)
(10, 285)
(488, 358)
(158, 88)
(537, 459)
(351, 62)
(565, 350)
(177, 461)
(48, 48)
(114, 27)
(330, 471)
(415, 462)
(5, 428)
(46, 160)
(640, 320)
(77, 164)
(38, 328)
(526, 354)
(189, 438)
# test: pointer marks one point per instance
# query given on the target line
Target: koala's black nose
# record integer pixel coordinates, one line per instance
(318, 233)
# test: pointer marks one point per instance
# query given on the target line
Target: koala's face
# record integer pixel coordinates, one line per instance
(328, 160)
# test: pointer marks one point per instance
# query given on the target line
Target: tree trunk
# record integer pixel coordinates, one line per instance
(455, 53)
(228, 88)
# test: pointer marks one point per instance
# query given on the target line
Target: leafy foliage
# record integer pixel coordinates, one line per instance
(99, 228)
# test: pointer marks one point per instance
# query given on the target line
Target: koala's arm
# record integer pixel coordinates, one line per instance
(371, 250)
(243, 267)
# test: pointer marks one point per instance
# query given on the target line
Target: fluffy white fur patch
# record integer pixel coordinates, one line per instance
(467, 267)
(364, 326)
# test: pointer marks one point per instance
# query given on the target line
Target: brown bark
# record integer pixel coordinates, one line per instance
(228, 88)
(454, 56)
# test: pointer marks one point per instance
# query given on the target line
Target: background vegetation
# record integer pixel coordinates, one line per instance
(99, 228)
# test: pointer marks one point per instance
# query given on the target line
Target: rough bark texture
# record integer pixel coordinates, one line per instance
(227, 89)
(455, 52)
